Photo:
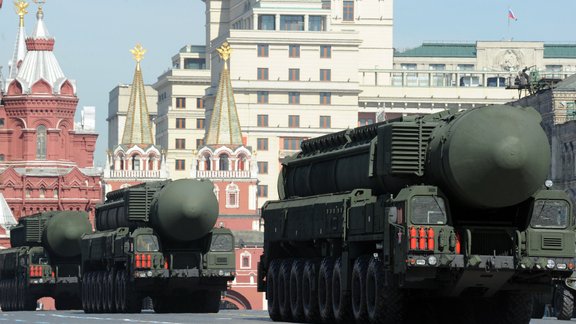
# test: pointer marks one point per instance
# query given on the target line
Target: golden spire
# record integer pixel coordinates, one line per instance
(20, 7)
(138, 53)
(225, 50)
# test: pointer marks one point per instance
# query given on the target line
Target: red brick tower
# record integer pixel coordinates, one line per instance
(45, 163)
(231, 166)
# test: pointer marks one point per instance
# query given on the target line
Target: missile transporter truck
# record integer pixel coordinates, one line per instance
(157, 240)
(44, 261)
(441, 218)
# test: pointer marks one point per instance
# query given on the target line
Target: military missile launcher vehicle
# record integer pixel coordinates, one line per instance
(443, 215)
(157, 240)
(44, 261)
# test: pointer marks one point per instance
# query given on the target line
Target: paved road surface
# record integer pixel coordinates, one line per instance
(224, 317)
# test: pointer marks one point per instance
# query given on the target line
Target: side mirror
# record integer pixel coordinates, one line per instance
(392, 214)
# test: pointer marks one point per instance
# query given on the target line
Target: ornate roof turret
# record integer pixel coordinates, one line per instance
(40, 64)
(224, 127)
(137, 129)
(20, 46)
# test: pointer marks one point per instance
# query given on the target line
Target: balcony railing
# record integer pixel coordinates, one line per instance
(135, 174)
(210, 174)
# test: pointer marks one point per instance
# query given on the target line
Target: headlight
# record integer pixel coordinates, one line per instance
(432, 260)
(221, 272)
(149, 273)
(550, 264)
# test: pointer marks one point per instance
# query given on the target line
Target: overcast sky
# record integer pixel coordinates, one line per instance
(93, 38)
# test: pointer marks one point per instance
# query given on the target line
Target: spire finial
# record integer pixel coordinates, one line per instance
(20, 7)
(138, 52)
(40, 13)
(225, 50)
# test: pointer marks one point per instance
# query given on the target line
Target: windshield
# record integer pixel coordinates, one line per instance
(550, 214)
(147, 243)
(428, 210)
(38, 258)
(222, 243)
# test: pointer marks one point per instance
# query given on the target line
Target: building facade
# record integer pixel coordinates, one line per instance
(181, 122)
(46, 163)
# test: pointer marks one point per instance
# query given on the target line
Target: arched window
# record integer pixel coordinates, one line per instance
(41, 142)
(241, 162)
(224, 162)
(42, 193)
(151, 160)
(2, 158)
(207, 162)
(135, 162)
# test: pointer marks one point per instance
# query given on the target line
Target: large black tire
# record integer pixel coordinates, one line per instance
(359, 272)
(539, 306)
(325, 290)
(211, 301)
(99, 292)
(118, 296)
(133, 301)
(514, 308)
(296, 273)
(341, 299)
(310, 293)
(83, 291)
(383, 304)
(284, 290)
(563, 303)
(160, 304)
(105, 292)
(110, 284)
(272, 290)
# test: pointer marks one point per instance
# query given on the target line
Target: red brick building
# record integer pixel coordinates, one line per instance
(231, 166)
(46, 163)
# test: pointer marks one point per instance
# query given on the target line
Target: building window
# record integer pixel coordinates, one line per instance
(245, 261)
(28, 193)
(317, 23)
(325, 75)
(224, 162)
(2, 158)
(325, 122)
(262, 144)
(348, 11)
(294, 74)
(1, 122)
(366, 119)
(266, 22)
(41, 142)
(293, 121)
(232, 196)
(207, 161)
(263, 167)
(262, 121)
(325, 51)
(200, 123)
(199, 103)
(465, 67)
(180, 165)
(291, 143)
(291, 22)
(262, 73)
(180, 123)
(180, 143)
(136, 163)
(180, 102)
(55, 193)
(294, 98)
(242, 162)
(262, 191)
(294, 51)
(262, 97)
(42, 193)
(262, 50)
(325, 98)
(199, 142)
(194, 64)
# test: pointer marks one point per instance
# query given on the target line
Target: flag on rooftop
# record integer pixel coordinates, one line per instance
(511, 14)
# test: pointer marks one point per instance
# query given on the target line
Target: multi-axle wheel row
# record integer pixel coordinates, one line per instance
(306, 290)
(14, 297)
(109, 292)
